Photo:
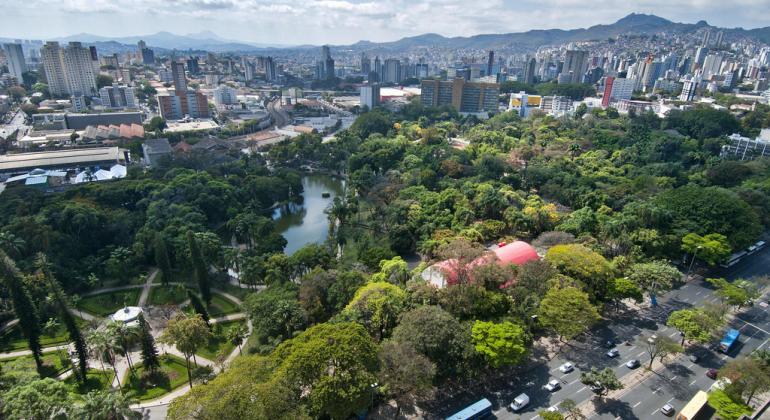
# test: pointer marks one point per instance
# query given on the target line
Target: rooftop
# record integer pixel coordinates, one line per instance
(22, 161)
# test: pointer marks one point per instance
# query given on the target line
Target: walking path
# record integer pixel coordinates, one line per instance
(17, 353)
(146, 288)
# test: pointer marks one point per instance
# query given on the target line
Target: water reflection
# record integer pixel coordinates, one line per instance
(306, 222)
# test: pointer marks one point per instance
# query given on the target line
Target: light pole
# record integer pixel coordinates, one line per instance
(694, 254)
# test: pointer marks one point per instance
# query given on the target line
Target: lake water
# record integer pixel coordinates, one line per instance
(307, 223)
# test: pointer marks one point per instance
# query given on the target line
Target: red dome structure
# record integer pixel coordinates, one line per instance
(518, 253)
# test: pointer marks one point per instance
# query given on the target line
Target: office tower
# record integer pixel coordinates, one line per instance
(14, 55)
(617, 89)
(574, 64)
(248, 70)
(370, 96)
(148, 56)
(225, 95)
(366, 64)
(377, 70)
(706, 38)
(141, 44)
(593, 75)
(192, 66)
(700, 56)
(325, 66)
(270, 74)
(117, 96)
(490, 62)
(53, 65)
(461, 95)
(180, 81)
(69, 70)
(529, 71)
(652, 71)
(720, 38)
(689, 88)
(711, 65)
(391, 71)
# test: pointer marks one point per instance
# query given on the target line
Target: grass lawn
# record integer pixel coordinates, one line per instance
(12, 339)
(221, 306)
(95, 380)
(236, 291)
(53, 364)
(105, 304)
(167, 295)
(176, 376)
(218, 343)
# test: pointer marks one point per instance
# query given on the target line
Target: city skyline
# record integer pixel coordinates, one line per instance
(341, 21)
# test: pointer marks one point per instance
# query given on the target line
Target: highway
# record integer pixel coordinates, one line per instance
(280, 117)
(675, 384)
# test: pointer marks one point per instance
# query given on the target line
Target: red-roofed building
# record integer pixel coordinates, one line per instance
(444, 273)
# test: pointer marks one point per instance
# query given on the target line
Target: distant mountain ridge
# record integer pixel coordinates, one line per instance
(205, 40)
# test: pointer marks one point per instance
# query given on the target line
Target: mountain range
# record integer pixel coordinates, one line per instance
(633, 24)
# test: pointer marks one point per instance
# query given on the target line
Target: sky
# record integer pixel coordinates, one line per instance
(293, 22)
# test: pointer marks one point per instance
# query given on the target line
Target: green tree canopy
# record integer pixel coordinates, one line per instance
(500, 344)
(567, 311)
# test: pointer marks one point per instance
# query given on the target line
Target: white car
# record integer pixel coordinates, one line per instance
(567, 367)
(553, 385)
(552, 409)
(613, 353)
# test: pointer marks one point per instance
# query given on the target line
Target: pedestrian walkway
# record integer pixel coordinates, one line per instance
(146, 288)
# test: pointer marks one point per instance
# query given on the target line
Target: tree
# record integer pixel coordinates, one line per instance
(694, 324)
(606, 379)
(124, 336)
(198, 306)
(377, 307)
(162, 259)
(458, 256)
(405, 374)
(103, 80)
(661, 347)
(394, 270)
(654, 276)
(500, 344)
(42, 399)
(333, 365)
(726, 407)
(102, 345)
(25, 310)
(156, 124)
(437, 335)
(623, 288)
(548, 415)
(107, 405)
(187, 334)
(236, 335)
(567, 311)
(572, 410)
(150, 359)
(711, 248)
(748, 376)
(275, 312)
(738, 293)
(200, 268)
(581, 263)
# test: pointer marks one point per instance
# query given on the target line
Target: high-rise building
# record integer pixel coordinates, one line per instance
(689, 88)
(391, 71)
(575, 62)
(706, 37)
(225, 95)
(180, 80)
(617, 89)
(14, 55)
(117, 96)
(377, 70)
(69, 70)
(325, 66)
(248, 70)
(712, 65)
(370, 95)
(366, 64)
(270, 73)
(192, 66)
(700, 56)
(148, 56)
(720, 38)
(490, 62)
(463, 96)
(529, 71)
(176, 107)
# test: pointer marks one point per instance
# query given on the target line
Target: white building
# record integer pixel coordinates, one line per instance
(165, 75)
(370, 96)
(69, 70)
(225, 95)
(116, 96)
(689, 88)
(15, 57)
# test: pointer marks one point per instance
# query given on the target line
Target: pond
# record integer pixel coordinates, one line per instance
(307, 222)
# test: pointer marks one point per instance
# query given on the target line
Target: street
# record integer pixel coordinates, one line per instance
(675, 385)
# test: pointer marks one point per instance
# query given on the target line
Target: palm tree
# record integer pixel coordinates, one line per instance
(102, 347)
(236, 335)
(125, 335)
(107, 405)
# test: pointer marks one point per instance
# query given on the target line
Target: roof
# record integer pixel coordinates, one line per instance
(694, 406)
(21, 161)
(516, 253)
(157, 146)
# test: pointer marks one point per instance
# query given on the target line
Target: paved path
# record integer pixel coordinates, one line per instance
(12, 354)
(227, 318)
(9, 324)
(146, 288)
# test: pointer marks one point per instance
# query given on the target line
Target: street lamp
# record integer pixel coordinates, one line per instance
(373, 388)
(694, 254)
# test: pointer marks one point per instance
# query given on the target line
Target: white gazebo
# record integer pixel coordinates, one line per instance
(128, 315)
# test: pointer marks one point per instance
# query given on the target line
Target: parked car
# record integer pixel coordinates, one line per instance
(520, 402)
(694, 358)
(553, 385)
(567, 367)
(596, 388)
(712, 373)
(613, 353)
(667, 409)
(609, 344)
(632, 364)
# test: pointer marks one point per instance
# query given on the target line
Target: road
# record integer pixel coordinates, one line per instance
(676, 384)
(280, 117)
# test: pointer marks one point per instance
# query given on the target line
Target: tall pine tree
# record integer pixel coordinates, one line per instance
(63, 307)
(200, 268)
(162, 259)
(150, 359)
(25, 310)
(198, 306)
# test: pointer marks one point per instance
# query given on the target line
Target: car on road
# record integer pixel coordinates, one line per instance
(552, 409)
(667, 409)
(651, 339)
(520, 402)
(632, 364)
(553, 385)
(694, 358)
(712, 373)
(567, 367)
(613, 353)
(596, 388)
(609, 344)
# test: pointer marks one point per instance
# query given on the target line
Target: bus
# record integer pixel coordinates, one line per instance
(734, 259)
(696, 408)
(478, 410)
(729, 340)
